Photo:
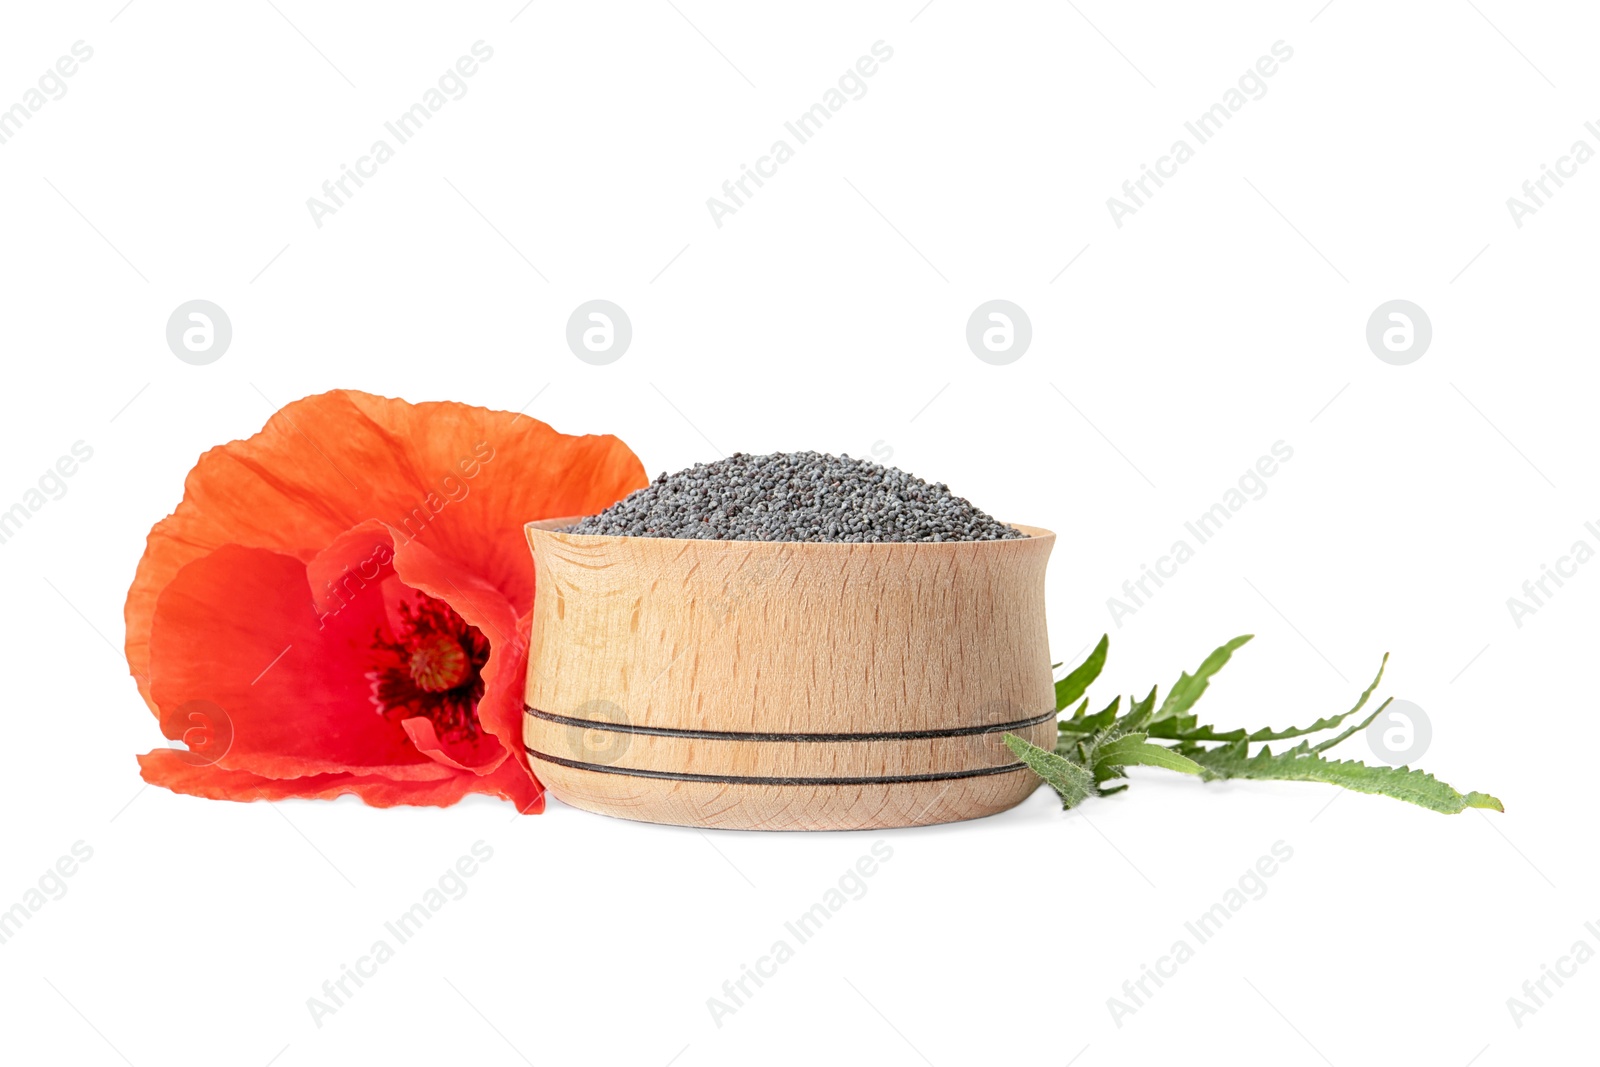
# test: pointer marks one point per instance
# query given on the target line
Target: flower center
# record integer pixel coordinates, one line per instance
(431, 667)
(439, 663)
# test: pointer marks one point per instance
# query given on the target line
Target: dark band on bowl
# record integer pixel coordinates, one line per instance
(740, 779)
(730, 735)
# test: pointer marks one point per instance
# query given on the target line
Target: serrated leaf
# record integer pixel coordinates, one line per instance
(1071, 780)
(1362, 725)
(1301, 764)
(1102, 718)
(1092, 749)
(1105, 772)
(1174, 730)
(1189, 687)
(1083, 727)
(1133, 750)
(1077, 723)
(1076, 683)
(1178, 727)
(1138, 716)
(1183, 728)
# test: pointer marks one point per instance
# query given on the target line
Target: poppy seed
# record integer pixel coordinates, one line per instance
(796, 496)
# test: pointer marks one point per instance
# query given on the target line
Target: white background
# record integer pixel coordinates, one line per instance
(1227, 314)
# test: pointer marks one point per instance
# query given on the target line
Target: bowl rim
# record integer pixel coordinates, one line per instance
(551, 526)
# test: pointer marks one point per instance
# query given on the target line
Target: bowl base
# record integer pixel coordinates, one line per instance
(726, 806)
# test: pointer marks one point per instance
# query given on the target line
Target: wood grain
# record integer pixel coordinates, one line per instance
(707, 683)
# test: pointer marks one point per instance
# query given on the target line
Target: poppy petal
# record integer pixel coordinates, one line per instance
(169, 769)
(467, 477)
(481, 605)
(420, 729)
(353, 564)
(237, 628)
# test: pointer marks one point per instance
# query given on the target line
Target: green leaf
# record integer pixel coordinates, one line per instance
(1301, 764)
(1362, 725)
(1188, 687)
(1176, 730)
(1184, 728)
(1072, 780)
(1133, 750)
(1089, 724)
(1095, 748)
(1138, 716)
(1075, 725)
(1076, 683)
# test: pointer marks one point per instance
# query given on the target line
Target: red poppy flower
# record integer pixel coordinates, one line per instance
(340, 604)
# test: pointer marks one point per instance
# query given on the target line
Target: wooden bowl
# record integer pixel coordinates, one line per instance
(765, 685)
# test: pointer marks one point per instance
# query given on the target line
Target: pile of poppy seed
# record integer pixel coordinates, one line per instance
(796, 496)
